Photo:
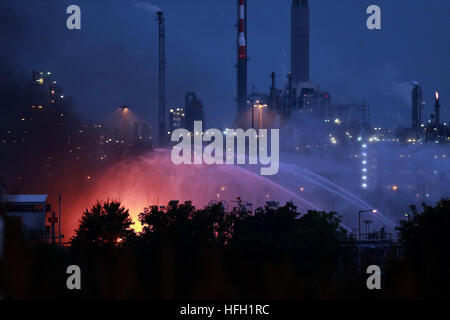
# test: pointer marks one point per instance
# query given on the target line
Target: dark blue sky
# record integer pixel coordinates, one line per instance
(113, 60)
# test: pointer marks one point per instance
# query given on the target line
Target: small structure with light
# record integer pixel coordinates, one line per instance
(359, 219)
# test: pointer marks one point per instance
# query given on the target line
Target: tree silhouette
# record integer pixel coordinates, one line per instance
(425, 240)
(186, 225)
(313, 246)
(248, 251)
(105, 224)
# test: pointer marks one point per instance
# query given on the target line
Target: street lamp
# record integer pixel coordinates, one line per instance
(125, 111)
(359, 219)
(260, 106)
(253, 115)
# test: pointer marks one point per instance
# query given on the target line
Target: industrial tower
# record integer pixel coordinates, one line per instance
(162, 82)
(417, 106)
(242, 58)
(437, 114)
(300, 41)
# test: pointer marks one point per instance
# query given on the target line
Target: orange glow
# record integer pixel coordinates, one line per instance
(154, 180)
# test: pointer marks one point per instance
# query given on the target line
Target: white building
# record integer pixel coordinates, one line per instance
(31, 209)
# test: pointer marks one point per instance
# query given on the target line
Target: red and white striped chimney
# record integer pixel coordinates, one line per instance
(241, 58)
(242, 41)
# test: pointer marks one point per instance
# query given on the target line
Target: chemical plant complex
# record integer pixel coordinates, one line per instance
(381, 160)
(240, 149)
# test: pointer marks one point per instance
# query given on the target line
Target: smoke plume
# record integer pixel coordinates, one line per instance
(147, 6)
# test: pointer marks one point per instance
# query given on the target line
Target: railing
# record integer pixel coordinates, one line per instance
(373, 236)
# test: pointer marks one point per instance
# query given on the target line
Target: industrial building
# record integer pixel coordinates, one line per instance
(435, 131)
(184, 116)
(32, 210)
(417, 107)
(299, 96)
(352, 116)
(44, 89)
(177, 119)
(194, 110)
(421, 131)
(142, 131)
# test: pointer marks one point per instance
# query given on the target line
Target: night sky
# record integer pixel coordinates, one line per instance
(113, 60)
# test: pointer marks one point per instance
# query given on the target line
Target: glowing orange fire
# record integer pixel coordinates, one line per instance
(155, 180)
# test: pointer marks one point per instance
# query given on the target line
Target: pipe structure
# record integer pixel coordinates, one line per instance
(437, 107)
(300, 41)
(417, 107)
(162, 81)
(242, 58)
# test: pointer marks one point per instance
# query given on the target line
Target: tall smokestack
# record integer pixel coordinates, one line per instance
(242, 57)
(300, 41)
(437, 107)
(417, 106)
(162, 81)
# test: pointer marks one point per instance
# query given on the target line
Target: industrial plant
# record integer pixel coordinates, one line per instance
(329, 129)
(338, 172)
